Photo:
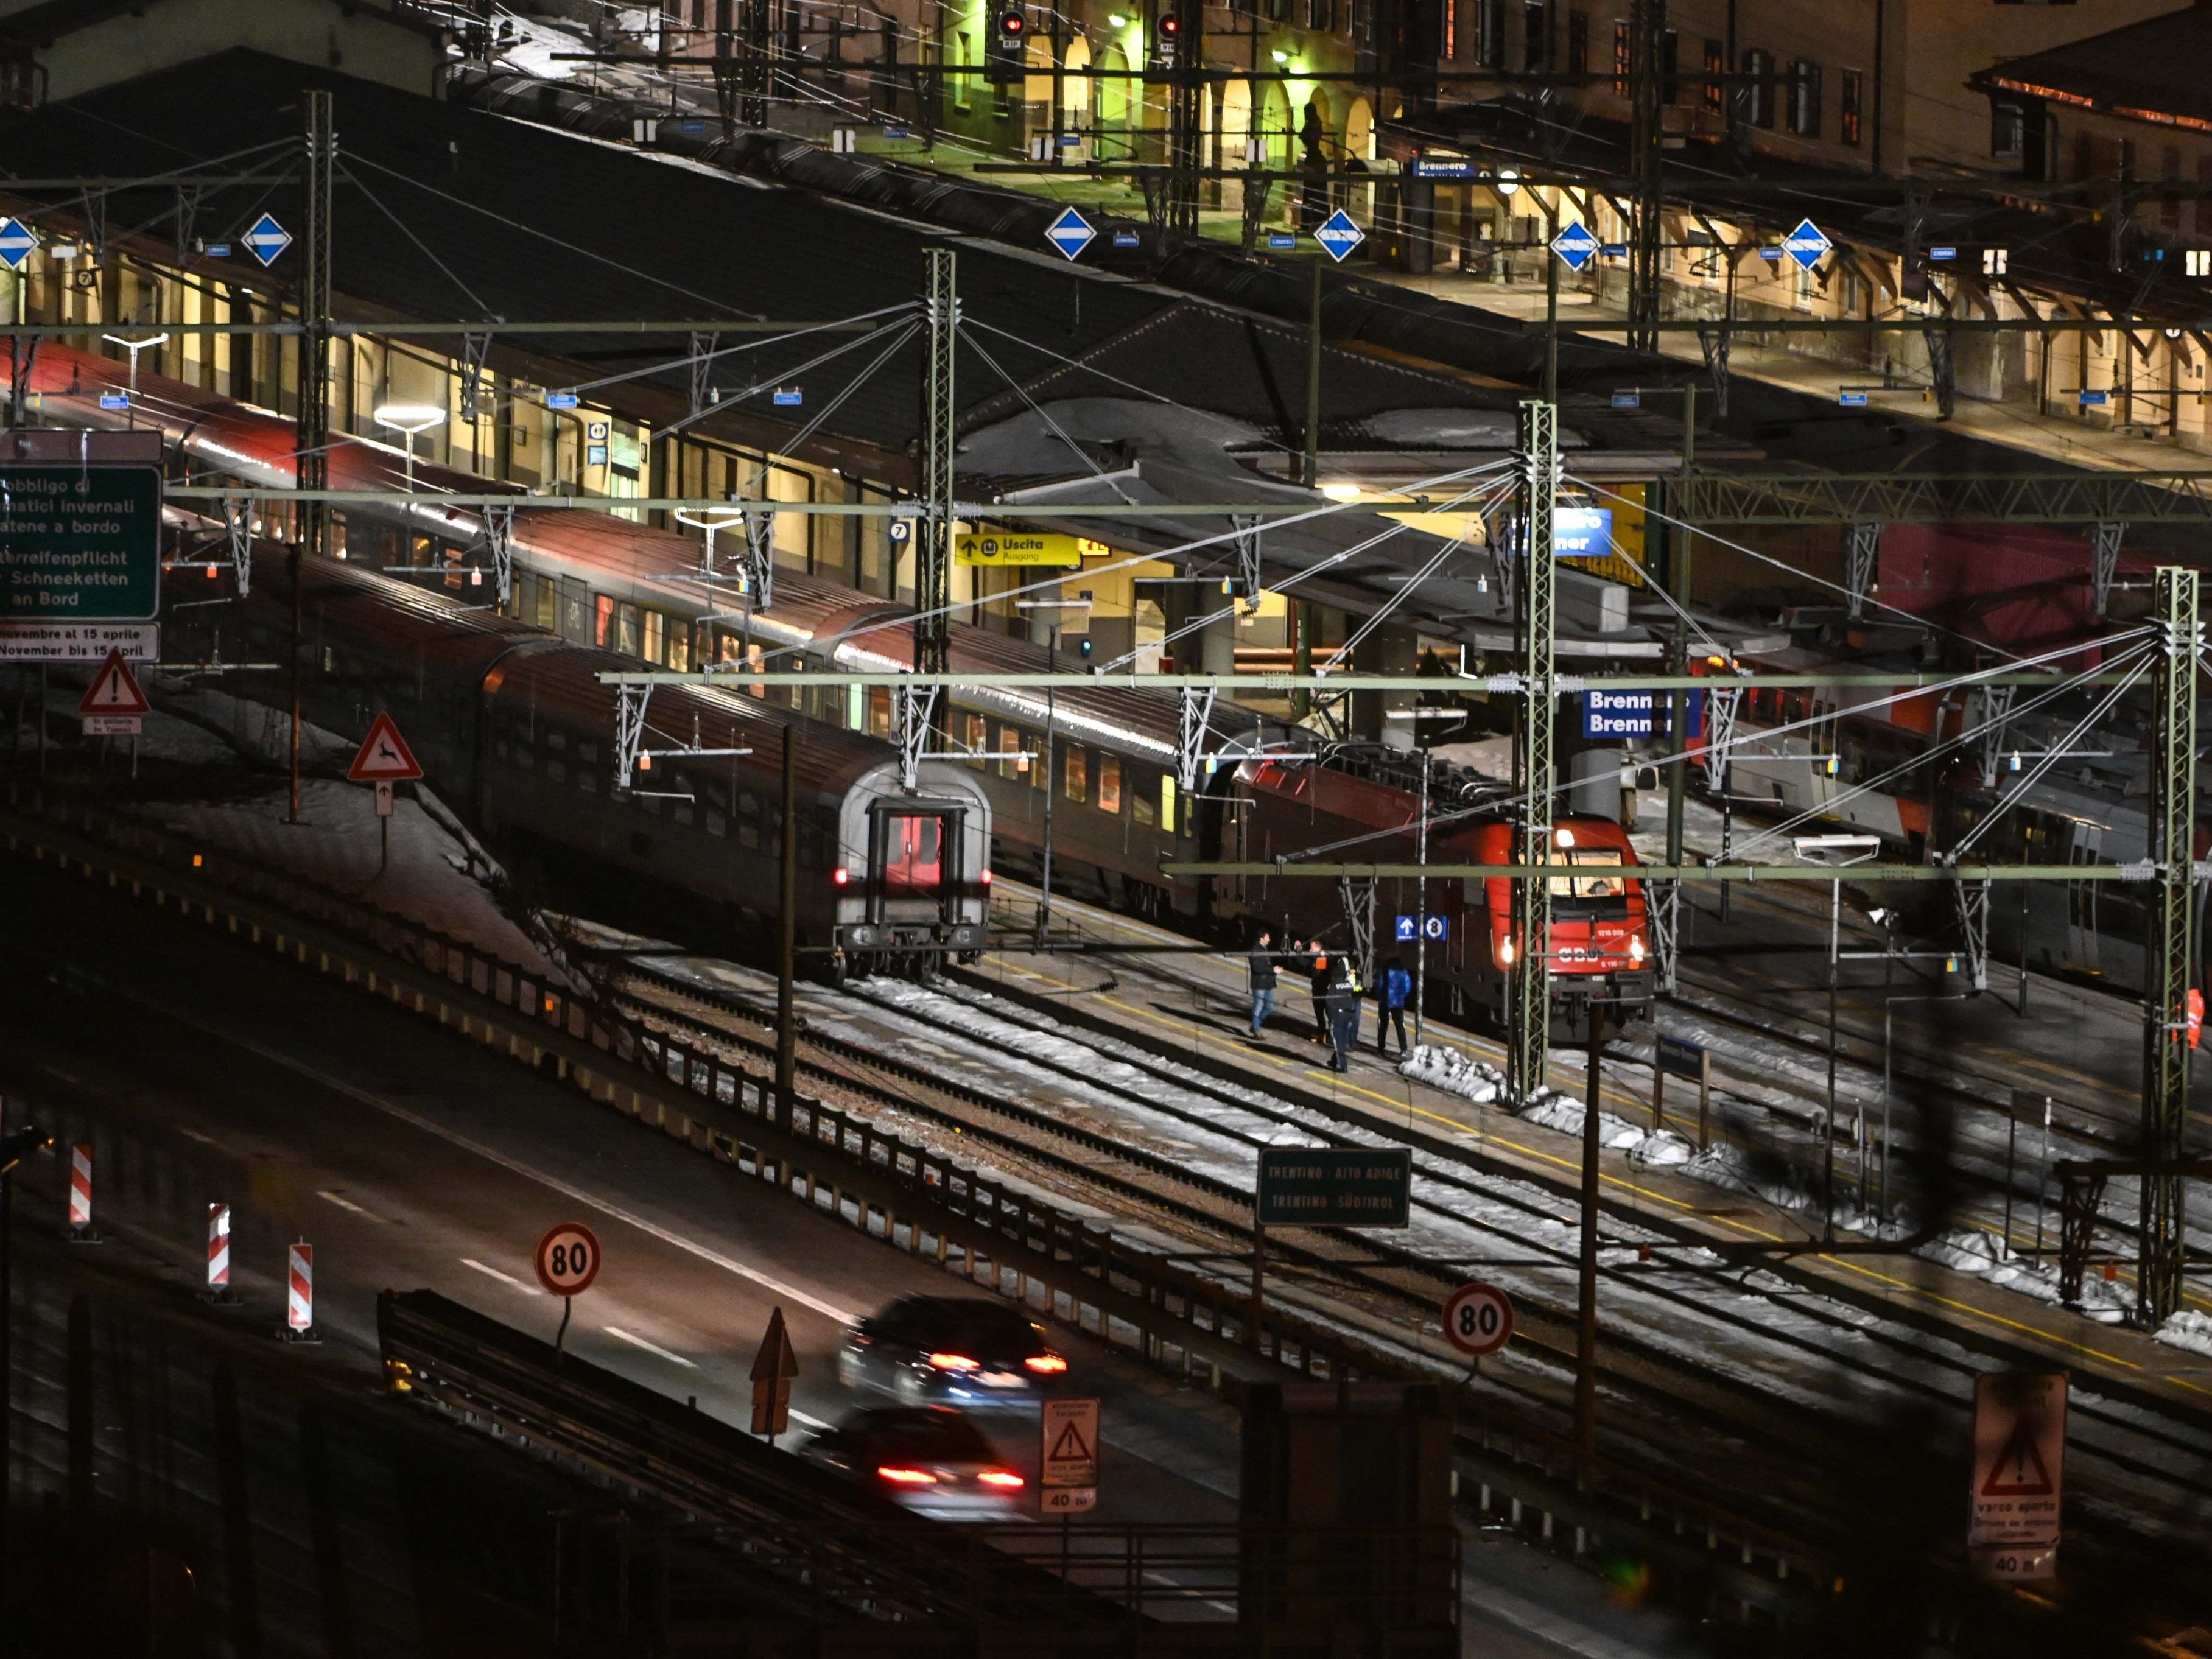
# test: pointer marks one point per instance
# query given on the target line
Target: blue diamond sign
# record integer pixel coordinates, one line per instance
(267, 239)
(17, 243)
(1576, 247)
(1806, 244)
(1071, 233)
(1340, 236)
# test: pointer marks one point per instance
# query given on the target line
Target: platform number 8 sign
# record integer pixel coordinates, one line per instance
(1478, 1319)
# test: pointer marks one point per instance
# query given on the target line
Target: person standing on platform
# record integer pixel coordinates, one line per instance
(1263, 981)
(1317, 966)
(1391, 995)
(1343, 1013)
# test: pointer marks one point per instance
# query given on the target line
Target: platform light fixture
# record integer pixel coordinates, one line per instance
(408, 419)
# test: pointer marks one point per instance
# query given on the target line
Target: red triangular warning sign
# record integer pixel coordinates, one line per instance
(114, 691)
(1070, 1447)
(385, 756)
(2018, 1471)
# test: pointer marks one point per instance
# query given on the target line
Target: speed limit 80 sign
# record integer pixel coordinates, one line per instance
(1478, 1319)
(568, 1259)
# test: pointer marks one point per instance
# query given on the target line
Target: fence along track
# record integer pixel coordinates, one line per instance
(1130, 1300)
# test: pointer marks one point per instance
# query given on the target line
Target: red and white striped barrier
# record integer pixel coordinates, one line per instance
(218, 1278)
(80, 1199)
(300, 1304)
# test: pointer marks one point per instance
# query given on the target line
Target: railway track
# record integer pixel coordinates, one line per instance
(1754, 1414)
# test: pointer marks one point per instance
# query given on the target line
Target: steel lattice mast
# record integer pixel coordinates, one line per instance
(1528, 983)
(2169, 955)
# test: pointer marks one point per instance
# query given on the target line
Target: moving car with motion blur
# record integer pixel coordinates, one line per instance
(959, 1350)
(928, 1459)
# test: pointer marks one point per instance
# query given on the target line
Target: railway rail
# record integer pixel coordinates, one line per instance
(1762, 1420)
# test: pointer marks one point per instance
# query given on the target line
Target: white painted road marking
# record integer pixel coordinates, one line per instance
(650, 1347)
(828, 1309)
(348, 1204)
(504, 1278)
(204, 1140)
(799, 1416)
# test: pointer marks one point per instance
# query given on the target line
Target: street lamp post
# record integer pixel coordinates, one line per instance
(1829, 850)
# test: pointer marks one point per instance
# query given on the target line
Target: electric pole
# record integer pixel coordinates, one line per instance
(932, 552)
(310, 464)
(2169, 956)
(1529, 979)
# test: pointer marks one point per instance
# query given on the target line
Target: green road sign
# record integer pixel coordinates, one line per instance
(1333, 1187)
(80, 544)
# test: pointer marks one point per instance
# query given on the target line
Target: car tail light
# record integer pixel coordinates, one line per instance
(1004, 1479)
(1045, 1365)
(953, 1362)
(905, 1477)
(840, 878)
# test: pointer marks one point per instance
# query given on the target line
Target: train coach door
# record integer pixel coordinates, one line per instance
(913, 847)
(2084, 843)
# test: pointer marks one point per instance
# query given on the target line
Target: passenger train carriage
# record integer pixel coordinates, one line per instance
(593, 587)
(517, 734)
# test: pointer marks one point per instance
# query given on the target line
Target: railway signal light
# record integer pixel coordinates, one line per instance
(1168, 33)
(1007, 45)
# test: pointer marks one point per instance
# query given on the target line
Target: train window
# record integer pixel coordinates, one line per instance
(978, 744)
(716, 823)
(586, 752)
(679, 645)
(749, 812)
(1608, 885)
(1140, 800)
(626, 629)
(656, 636)
(879, 711)
(557, 770)
(603, 621)
(1075, 773)
(587, 780)
(1110, 783)
(1011, 744)
(555, 740)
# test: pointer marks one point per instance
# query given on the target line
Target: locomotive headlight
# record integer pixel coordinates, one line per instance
(840, 877)
(1636, 948)
(1505, 951)
(1566, 838)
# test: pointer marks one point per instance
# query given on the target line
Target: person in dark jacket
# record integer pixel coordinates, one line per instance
(1263, 980)
(1317, 968)
(1391, 994)
(1343, 998)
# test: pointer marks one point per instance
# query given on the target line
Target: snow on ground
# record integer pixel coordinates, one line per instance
(2188, 1329)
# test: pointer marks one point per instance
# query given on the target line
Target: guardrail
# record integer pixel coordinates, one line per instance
(1062, 1266)
(832, 1552)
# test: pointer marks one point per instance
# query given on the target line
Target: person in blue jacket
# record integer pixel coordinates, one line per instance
(1394, 989)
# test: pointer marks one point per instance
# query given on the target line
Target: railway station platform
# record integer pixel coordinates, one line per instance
(1194, 1003)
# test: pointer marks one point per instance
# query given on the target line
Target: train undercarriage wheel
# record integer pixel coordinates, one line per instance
(840, 969)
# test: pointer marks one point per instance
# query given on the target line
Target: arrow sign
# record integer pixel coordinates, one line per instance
(1576, 247)
(1806, 244)
(113, 690)
(384, 757)
(773, 1367)
(1340, 236)
(267, 239)
(1071, 233)
(17, 243)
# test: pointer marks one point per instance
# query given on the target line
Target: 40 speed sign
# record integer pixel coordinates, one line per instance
(1478, 1319)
